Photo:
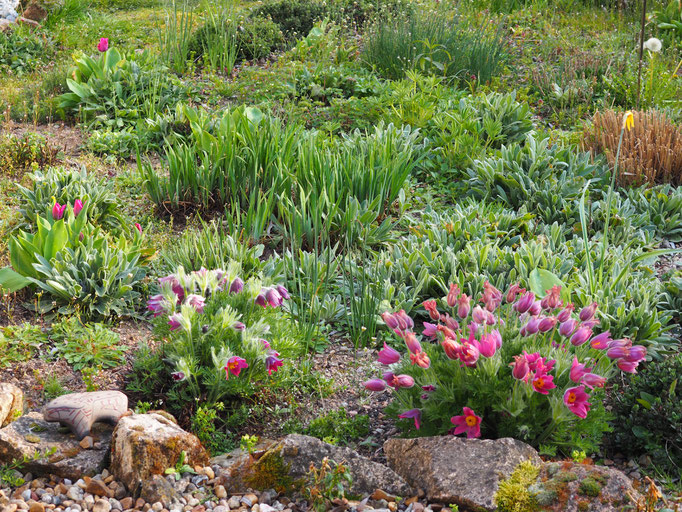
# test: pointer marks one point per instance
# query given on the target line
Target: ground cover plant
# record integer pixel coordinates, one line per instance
(352, 220)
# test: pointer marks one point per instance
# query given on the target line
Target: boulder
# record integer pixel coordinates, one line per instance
(32, 436)
(11, 403)
(34, 11)
(571, 487)
(284, 466)
(450, 469)
(147, 444)
(79, 411)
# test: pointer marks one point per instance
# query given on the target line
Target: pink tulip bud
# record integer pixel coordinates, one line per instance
(58, 211)
(138, 227)
(77, 207)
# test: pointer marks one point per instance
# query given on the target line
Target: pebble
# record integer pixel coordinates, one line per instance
(115, 504)
(221, 508)
(234, 502)
(36, 507)
(101, 506)
(26, 495)
(74, 493)
(127, 503)
(220, 492)
(157, 507)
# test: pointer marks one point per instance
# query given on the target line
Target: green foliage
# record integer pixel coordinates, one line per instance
(258, 39)
(435, 44)
(10, 472)
(89, 345)
(338, 427)
(30, 151)
(513, 494)
(181, 467)
(204, 427)
(648, 414)
(23, 50)
(65, 186)
(53, 387)
(115, 91)
(295, 18)
(326, 484)
(20, 343)
(669, 21)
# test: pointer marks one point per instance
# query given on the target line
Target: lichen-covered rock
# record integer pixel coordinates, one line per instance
(284, 466)
(157, 488)
(11, 403)
(31, 435)
(570, 487)
(147, 444)
(79, 411)
(450, 469)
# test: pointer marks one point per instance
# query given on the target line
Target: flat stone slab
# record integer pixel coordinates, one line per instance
(31, 435)
(79, 411)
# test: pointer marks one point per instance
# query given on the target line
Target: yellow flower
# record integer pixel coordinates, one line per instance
(628, 120)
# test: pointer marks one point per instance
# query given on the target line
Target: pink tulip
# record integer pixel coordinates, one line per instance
(467, 422)
(576, 400)
(77, 207)
(58, 211)
(103, 44)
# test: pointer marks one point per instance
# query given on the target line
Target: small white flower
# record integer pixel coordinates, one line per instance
(653, 45)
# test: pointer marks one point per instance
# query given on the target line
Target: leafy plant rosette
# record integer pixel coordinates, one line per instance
(514, 366)
(221, 336)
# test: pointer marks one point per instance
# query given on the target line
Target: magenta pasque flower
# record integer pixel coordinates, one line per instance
(463, 306)
(421, 359)
(432, 308)
(568, 327)
(261, 300)
(103, 44)
(520, 367)
(588, 312)
(513, 291)
(158, 305)
(601, 341)
(467, 422)
(469, 354)
(234, 366)
(487, 346)
(388, 355)
(553, 299)
(174, 321)
(375, 385)
(430, 330)
(273, 297)
(398, 381)
(547, 323)
(390, 320)
(412, 342)
(543, 382)
(578, 371)
(531, 327)
(451, 348)
(415, 414)
(565, 313)
(581, 336)
(576, 400)
(453, 293)
(592, 380)
(178, 376)
(525, 302)
(77, 207)
(284, 293)
(492, 297)
(535, 308)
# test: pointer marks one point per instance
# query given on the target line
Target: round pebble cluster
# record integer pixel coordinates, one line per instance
(200, 492)
(8, 9)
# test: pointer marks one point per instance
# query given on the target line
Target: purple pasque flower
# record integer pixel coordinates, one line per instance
(388, 355)
(547, 323)
(178, 376)
(283, 291)
(581, 336)
(568, 327)
(565, 313)
(588, 312)
(273, 362)
(535, 308)
(158, 305)
(238, 326)
(525, 302)
(430, 330)
(415, 414)
(601, 341)
(237, 285)
(531, 327)
(196, 301)
(273, 297)
(175, 321)
(261, 300)
(463, 306)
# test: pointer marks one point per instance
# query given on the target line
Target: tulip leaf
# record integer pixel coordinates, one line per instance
(10, 281)
(645, 404)
(541, 280)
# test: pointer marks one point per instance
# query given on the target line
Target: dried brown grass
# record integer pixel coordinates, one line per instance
(651, 151)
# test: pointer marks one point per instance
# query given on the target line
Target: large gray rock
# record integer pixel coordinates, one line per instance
(11, 403)
(285, 464)
(31, 435)
(450, 469)
(79, 411)
(570, 487)
(144, 445)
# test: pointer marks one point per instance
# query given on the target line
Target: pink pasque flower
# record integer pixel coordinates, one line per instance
(565, 313)
(601, 341)
(175, 321)
(592, 380)
(467, 422)
(513, 291)
(492, 297)
(463, 306)
(420, 359)
(196, 301)
(469, 354)
(390, 320)
(416, 414)
(375, 385)
(487, 346)
(536, 308)
(388, 355)
(553, 299)
(430, 330)
(451, 348)
(568, 327)
(412, 342)
(547, 323)
(520, 367)
(588, 312)
(576, 400)
(581, 335)
(525, 302)
(543, 382)
(432, 307)
(273, 362)
(453, 293)
(234, 366)
(578, 371)
(398, 381)
(103, 44)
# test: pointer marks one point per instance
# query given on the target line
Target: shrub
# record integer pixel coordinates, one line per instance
(295, 18)
(669, 21)
(20, 343)
(114, 90)
(22, 51)
(651, 151)
(65, 186)
(648, 415)
(542, 178)
(338, 427)
(29, 151)
(222, 336)
(89, 345)
(258, 39)
(526, 377)
(434, 44)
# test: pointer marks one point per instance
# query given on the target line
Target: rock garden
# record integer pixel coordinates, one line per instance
(348, 255)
